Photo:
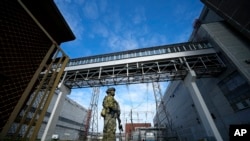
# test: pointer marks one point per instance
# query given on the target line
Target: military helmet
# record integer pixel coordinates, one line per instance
(110, 89)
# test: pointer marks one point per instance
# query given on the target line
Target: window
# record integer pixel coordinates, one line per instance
(143, 53)
(119, 56)
(240, 106)
(168, 50)
(190, 47)
(138, 54)
(112, 57)
(152, 52)
(124, 56)
(237, 91)
(184, 48)
(196, 46)
(178, 48)
(172, 49)
(98, 59)
(132, 55)
(161, 51)
(200, 46)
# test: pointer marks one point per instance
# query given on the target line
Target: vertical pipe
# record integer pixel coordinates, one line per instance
(51, 124)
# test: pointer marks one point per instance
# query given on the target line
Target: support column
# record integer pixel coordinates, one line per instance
(50, 127)
(201, 107)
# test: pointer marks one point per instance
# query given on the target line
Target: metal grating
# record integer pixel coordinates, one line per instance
(28, 121)
(26, 51)
(23, 47)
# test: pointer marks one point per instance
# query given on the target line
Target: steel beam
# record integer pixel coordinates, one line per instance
(201, 107)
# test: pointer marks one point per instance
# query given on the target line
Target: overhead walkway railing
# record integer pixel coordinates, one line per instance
(154, 64)
(166, 49)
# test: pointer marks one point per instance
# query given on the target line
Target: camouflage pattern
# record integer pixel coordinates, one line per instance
(112, 111)
(109, 128)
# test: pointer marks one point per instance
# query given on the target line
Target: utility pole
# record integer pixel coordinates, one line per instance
(94, 113)
(90, 123)
(158, 99)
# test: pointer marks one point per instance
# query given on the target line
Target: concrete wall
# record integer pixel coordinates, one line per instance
(227, 96)
(70, 120)
(231, 44)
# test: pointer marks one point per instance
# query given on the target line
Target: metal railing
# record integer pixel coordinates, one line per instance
(166, 49)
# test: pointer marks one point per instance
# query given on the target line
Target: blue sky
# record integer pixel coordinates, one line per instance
(105, 26)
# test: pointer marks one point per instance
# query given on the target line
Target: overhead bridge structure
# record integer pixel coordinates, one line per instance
(182, 61)
(154, 64)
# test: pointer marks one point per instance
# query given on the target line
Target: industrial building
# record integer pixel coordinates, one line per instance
(33, 65)
(224, 24)
(70, 123)
(131, 128)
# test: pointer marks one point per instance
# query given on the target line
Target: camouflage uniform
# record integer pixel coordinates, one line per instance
(112, 111)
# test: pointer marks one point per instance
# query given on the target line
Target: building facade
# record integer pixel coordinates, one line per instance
(130, 130)
(70, 123)
(227, 95)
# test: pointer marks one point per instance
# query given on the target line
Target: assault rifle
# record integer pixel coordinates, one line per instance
(120, 126)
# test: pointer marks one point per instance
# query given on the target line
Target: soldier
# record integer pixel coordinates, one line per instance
(110, 112)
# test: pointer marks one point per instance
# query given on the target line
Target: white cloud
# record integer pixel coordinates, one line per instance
(139, 15)
(154, 40)
(72, 16)
(101, 30)
(81, 96)
(90, 10)
(121, 42)
(130, 39)
(117, 33)
(102, 5)
(128, 44)
(79, 2)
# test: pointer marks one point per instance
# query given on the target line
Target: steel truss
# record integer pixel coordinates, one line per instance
(162, 111)
(144, 72)
(93, 130)
(90, 123)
